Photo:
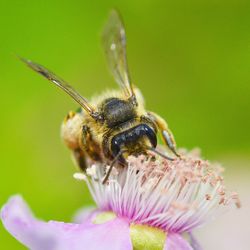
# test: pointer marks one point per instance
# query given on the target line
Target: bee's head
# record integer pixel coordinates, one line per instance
(134, 140)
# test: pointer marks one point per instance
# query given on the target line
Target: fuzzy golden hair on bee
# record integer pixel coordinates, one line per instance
(111, 126)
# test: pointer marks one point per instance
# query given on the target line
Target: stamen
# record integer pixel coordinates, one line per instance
(79, 176)
(91, 171)
(172, 195)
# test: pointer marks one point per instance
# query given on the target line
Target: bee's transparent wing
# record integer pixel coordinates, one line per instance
(61, 84)
(114, 42)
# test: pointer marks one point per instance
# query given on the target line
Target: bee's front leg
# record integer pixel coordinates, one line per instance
(166, 134)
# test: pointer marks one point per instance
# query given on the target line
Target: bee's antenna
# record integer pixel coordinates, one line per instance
(112, 165)
(160, 154)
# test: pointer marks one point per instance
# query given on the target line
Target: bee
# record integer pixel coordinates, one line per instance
(114, 125)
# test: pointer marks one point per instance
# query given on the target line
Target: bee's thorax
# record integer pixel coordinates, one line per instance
(117, 111)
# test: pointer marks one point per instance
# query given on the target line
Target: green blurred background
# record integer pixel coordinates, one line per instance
(191, 59)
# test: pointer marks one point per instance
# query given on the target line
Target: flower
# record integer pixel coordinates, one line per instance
(148, 205)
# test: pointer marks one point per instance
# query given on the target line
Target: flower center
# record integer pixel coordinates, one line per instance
(147, 238)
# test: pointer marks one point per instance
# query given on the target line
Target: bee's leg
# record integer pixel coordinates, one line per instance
(166, 134)
(78, 138)
(80, 159)
(70, 132)
(89, 145)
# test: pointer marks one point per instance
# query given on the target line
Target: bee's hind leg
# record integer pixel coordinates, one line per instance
(166, 134)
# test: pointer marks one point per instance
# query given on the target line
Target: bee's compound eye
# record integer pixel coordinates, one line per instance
(151, 135)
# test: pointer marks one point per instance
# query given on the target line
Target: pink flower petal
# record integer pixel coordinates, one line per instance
(36, 234)
(176, 242)
(83, 214)
(194, 242)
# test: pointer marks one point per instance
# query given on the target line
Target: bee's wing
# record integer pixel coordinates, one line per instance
(114, 42)
(61, 84)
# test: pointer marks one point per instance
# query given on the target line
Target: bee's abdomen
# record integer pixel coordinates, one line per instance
(116, 111)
